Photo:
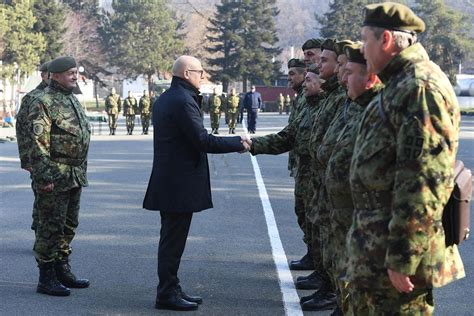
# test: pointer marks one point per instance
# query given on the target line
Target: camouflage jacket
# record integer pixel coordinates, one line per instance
(294, 136)
(298, 103)
(402, 174)
(60, 139)
(336, 95)
(337, 170)
(113, 104)
(233, 104)
(281, 101)
(23, 126)
(145, 105)
(215, 103)
(130, 106)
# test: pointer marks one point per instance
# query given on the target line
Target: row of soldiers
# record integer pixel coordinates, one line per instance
(372, 143)
(131, 108)
(284, 103)
(230, 105)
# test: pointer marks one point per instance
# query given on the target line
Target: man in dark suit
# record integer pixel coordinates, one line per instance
(179, 184)
(252, 103)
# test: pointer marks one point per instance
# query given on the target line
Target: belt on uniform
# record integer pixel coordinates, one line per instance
(372, 199)
(343, 200)
(69, 161)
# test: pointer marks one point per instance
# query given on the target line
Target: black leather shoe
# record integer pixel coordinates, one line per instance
(176, 303)
(305, 263)
(306, 277)
(193, 299)
(326, 302)
(315, 282)
(309, 297)
(67, 278)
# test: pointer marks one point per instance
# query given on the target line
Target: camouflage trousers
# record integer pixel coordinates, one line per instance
(130, 122)
(145, 122)
(281, 108)
(390, 302)
(215, 118)
(233, 119)
(314, 227)
(58, 214)
(113, 121)
(302, 204)
(34, 214)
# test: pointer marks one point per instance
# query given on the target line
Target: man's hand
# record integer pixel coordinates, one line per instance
(400, 281)
(246, 142)
(47, 188)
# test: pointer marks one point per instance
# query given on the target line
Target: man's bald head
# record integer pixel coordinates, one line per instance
(188, 68)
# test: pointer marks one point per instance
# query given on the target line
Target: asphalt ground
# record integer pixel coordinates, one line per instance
(228, 259)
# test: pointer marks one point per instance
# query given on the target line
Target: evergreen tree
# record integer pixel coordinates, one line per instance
(343, 19)
(23, 46)
(244, 38)
(142, 38)
(447, 36)
(50, 22)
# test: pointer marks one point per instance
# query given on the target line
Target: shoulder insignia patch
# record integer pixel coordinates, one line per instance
(38, 129)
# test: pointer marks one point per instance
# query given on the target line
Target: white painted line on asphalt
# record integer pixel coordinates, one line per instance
(291, 301)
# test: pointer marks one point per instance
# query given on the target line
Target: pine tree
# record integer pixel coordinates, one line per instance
(244, 39)
(50, 22)
(343, 20)
(23, 46)
(447, 36)
(142, 38)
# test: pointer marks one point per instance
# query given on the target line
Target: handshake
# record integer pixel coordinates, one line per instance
(247, 142)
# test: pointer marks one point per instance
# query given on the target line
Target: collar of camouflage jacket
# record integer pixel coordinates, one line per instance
(42, 85)
(54, 85)
(405, 59)
(365, 98)
(330, 85)
(314, 100)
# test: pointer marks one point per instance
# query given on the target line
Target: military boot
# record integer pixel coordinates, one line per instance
(305, 263)
(233, 131)
(323, 300)
(66, 277)
(48, 282)
(313, 282)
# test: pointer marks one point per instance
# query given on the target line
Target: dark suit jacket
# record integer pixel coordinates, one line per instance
(252, 100)
(179, 180)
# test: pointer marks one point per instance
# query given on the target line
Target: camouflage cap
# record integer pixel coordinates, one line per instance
(393, 16)
(312, 43)
(340, 46)
(296, 63)
(353, 53)
(329, 44)
(44, 67)
(62, 64)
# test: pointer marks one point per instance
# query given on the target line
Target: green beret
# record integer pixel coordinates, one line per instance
(296, 63)
(312, 43)
(352, 51)
(44, 67)
(61, 64)
(393, 16)
(340, 46)
(313, 68)
(329, 44)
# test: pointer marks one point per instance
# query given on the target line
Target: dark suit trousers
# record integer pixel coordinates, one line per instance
(173, 235)
(252, 119)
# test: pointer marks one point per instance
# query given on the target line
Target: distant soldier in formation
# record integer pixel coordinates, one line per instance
(23, 131)
(112, 107)
(281, 103)
(145, 111)
(224, 102)
(129, 111)
(233, 103)
(288, 104)
(60, 135)
(215, 103)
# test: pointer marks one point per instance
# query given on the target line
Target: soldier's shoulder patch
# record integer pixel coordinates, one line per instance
(38, 129)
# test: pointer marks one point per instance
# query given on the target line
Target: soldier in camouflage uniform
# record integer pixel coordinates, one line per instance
(112, 107)
(281, 103)
(312, 51)
(23, 132)
(362, 87)
(130, 109)
(215, 111)
(233, 110)
(295, 136)
(401, 173)
(325, 297)
(58, 155)
(145, 111)
(288, 104)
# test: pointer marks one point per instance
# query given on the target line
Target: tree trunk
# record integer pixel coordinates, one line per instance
(244, 83)
(225, 86)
